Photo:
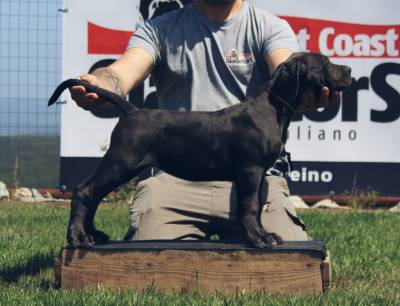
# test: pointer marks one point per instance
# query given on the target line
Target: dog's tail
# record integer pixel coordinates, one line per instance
(110, 96)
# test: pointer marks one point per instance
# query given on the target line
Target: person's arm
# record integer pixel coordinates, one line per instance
(278, 56)
(120, 77)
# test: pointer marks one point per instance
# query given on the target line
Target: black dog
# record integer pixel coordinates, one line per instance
(236, 144)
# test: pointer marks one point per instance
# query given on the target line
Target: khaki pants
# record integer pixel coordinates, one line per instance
(166, 207)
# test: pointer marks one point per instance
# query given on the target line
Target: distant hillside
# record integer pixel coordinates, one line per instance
(38, 160)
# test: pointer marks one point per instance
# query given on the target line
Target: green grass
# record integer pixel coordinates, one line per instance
(364, 246)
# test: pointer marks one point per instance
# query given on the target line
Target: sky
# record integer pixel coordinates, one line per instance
(30, 66)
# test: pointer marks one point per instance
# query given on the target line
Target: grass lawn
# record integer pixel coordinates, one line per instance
(364, 246)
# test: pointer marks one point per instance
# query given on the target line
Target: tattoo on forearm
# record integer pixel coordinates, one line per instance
(112, 79)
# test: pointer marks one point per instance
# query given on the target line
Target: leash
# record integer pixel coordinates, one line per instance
(281, 100)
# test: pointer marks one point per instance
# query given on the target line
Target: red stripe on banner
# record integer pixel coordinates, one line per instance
(106, 41)
(331, 38)
(340, 39)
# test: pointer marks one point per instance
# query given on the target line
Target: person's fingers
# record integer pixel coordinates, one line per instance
(88, 101)
(77, 92)
(78, 89)
(82, 98)
(324, 98)
(90, 78)
(92, 96)
(329, 97)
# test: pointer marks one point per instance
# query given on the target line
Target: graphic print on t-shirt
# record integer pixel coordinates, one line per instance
(234, 57)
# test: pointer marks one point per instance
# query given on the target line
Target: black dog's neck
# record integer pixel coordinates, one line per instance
(283, 100)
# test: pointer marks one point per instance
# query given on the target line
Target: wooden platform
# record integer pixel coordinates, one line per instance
(206, 266)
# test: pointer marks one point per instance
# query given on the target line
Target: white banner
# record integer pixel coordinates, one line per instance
(83, 134)
(361, 34)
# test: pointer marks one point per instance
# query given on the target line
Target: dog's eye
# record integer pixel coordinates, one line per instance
(317, 70)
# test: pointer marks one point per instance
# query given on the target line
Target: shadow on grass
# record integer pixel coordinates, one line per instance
(32, 267)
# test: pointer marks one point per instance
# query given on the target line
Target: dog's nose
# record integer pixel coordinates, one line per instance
(347, 70)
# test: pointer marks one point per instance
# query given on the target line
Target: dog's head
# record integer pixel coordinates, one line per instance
(303, 75)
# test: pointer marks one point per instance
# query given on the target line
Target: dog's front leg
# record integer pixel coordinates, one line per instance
(247, 187)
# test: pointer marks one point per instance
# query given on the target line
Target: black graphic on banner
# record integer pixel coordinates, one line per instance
(153, 8)
(316, 178)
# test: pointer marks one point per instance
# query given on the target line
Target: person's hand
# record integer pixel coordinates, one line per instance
(82, 98)
(328, 97)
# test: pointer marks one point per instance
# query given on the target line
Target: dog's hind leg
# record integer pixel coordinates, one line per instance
(114, 170)
(247, 184)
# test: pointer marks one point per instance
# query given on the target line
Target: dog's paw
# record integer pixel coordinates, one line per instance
(78, 238)
(277, 238)
(262, 239)
(98, 237)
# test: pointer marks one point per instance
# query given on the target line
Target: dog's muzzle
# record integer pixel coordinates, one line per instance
(341, 77)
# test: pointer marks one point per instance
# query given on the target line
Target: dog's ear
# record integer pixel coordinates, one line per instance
(287, 78)
(308, 101)
(295, 70)
(281, 72)
(311, 84)
(297, 83)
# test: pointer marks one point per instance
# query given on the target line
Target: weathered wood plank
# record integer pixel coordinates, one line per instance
(326, 272)
(209, 270)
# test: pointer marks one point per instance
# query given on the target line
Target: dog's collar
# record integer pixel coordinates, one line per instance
(281, 100)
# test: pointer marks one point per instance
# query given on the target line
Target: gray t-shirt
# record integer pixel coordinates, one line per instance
(205, 66)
